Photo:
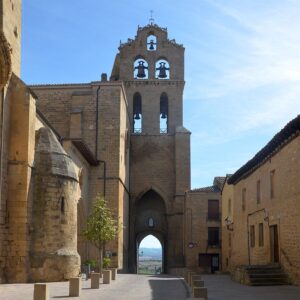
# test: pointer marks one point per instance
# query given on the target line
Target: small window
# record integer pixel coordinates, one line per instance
(244, 199)
(252, 236)
(137, 113)
(150, 222)
(151, 43)
(258, 196)
(261, 234)
(213, 210)
(62, 205)
(164, 112)
(213, 236)
(140, 69)
(229, 207)
(162, 68)
(272, 184)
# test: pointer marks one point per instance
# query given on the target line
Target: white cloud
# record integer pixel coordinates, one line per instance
(255, 82)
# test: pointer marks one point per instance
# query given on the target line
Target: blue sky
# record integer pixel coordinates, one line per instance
(242, 64)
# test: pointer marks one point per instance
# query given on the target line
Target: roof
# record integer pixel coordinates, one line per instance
(207, 189)
(281, 139)
(215, 188)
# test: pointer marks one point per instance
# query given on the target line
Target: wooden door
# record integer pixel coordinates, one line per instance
(274, 244)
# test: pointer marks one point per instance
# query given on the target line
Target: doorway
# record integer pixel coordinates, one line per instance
(150, 256)
(274, 244)
(209, 263)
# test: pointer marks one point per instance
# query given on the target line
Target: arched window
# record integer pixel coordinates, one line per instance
(137, 113)
(162, 69)
(164, 113)
(140, 69)
(151, 43)
(151, 222)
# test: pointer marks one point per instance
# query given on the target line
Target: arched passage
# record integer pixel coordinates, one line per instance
(149, 255)
(149, 219)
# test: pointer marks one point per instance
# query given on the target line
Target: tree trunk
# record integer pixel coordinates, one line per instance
(101, 260)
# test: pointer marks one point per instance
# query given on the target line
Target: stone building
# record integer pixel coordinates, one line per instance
(62, 145)
(266, 206)
(203, 228)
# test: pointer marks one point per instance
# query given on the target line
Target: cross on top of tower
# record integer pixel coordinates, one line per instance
(151, 20)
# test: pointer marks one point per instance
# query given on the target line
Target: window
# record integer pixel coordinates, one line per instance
(261, 235)
(213, 236)
(140, 69)
(137, 113)
(213, 210)
(252, 236)
(62, 205)
(164, 110)
(244, 199)
(151, 43)
(229, 207)
(150, 222)
(162, 69)
(272, 184)
(258, 196)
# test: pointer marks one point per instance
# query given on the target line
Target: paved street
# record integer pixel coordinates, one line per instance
(133, 287)
(126, 287)
(221, 287)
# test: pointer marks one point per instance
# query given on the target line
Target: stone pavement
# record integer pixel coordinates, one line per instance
(221, 287)
(163, 287)
(126, 287)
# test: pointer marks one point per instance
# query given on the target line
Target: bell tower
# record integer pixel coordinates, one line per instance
(151, 67)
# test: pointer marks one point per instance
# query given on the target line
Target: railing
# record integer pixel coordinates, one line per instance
(163, 130)
(137, 131)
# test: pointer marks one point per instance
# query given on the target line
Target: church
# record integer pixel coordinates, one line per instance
(122, 137)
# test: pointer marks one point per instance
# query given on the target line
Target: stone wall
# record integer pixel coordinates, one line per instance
(96, 114)
(196, 226)
(283, 210)
(10, 25)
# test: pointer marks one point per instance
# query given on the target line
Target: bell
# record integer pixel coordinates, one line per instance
(137, 116)
(141, 70)
(163, 115)
(151, 45)
(162, 73)
(162, 70)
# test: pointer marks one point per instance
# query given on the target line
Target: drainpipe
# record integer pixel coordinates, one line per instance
(103, 79)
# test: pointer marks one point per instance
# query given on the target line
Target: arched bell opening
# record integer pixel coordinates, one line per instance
(164, 114)
(137, 113)
(140, 69)
(151, 42)
(162, 69)
(150, 254)
(150, 219)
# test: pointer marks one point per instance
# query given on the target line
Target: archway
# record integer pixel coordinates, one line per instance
(149, 218)
(150, 256)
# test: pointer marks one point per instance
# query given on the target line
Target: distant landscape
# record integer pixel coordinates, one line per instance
(150, 254)
(150, 261)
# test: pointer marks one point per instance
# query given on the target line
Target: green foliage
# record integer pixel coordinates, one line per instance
(106, 262)
(90, 262)
(101, 226)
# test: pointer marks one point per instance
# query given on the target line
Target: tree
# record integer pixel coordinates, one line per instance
(101, 227)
